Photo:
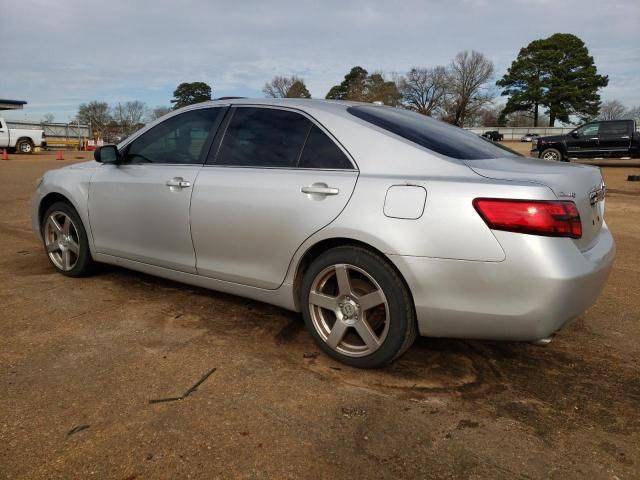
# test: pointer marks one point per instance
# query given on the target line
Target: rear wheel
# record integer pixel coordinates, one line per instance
(24, 146)
(65, 240)
(552, 154)
(357, 307)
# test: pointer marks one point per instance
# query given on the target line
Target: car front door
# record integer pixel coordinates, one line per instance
(583, 141)
(274, 179)
(139, 208)
(615, 137)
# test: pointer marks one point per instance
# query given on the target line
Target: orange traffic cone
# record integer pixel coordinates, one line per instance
(59, 157)
(5, 155)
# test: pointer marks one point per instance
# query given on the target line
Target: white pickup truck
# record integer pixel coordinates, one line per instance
(21, 140)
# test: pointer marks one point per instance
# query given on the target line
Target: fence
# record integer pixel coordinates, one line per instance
(515, 133)
(57, 134)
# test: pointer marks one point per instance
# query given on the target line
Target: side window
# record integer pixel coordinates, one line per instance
(589, 130)
(177, 140)
(321, 152)
(614, 128)
(263, 137)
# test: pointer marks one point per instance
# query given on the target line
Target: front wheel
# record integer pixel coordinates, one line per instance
(552, 154)
(65, 240)
(357, 307)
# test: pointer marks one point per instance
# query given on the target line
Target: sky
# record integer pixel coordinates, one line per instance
(59, 54)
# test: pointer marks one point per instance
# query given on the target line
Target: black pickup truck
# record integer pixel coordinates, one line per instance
(611, 138)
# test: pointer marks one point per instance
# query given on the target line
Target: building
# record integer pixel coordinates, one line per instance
(12, 104)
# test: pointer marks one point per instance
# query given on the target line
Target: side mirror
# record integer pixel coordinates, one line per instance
(107, 154)
(575, 134)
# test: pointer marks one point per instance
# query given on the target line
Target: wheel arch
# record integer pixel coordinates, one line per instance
(23, 139)
(318, 248)
(48, 200)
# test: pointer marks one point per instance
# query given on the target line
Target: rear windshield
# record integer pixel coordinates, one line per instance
(437, 136)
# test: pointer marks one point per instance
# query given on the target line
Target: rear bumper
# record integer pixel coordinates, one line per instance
(541, 285)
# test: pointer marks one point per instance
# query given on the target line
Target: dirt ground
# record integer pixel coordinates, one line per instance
(81, 359)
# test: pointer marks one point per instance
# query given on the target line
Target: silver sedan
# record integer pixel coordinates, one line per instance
(378, 224)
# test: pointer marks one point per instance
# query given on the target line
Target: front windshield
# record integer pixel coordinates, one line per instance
(434, 135)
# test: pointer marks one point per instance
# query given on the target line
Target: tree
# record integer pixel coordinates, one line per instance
(158, 112)
(190, 93)
(298, 90)
(48, 118)
(557, 73)
(523, 82)
(468, 76)
(351, 88)
(129, 116)
(633, 114)
(423, 89)
(359, 86)
(286, 87)
(612, 110)
(96, 114)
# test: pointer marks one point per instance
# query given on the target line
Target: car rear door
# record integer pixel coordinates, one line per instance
(139, 208)
(274, 179)
(615, 137)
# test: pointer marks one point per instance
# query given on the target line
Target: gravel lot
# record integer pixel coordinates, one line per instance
(81, 359)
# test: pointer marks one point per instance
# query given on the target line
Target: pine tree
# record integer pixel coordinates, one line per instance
(557, 73)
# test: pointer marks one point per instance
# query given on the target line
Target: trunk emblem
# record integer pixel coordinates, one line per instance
(567, 195)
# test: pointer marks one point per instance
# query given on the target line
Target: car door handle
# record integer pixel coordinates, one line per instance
(320, 189)
(626, 137)
(178, 183)
(594, 138)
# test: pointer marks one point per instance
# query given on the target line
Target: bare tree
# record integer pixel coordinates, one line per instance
(468, 75)
(96, 114)
(48, 118)
(611, 110)
(633, 113)
(423, 89)
(158, 112)
(286, 87)
(129, 116)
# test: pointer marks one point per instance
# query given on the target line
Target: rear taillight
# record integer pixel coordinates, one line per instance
(535, 217)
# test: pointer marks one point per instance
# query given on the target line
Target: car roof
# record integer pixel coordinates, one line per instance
(309, 105)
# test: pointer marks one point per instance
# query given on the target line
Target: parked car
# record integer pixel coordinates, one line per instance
(493, 135)
(376, 223)
(611, 138)
(20, 140)
(528, 137)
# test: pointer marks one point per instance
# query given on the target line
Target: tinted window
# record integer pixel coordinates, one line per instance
(263, 137)
(321, 152)
(614, 128)
(177, 140)
(588, 130)
(432, 134)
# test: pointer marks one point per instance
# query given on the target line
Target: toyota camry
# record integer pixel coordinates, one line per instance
(376, 223)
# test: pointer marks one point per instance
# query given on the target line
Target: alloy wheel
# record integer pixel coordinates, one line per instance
(61, 240)
(349, 310)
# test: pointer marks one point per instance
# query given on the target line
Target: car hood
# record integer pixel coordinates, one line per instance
(91, 164)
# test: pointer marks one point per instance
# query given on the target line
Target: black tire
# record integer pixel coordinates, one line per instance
(25, 146)
(84, 264)
(402, 326)
(552, 154)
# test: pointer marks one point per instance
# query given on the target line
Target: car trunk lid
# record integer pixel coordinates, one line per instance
(579, 183)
